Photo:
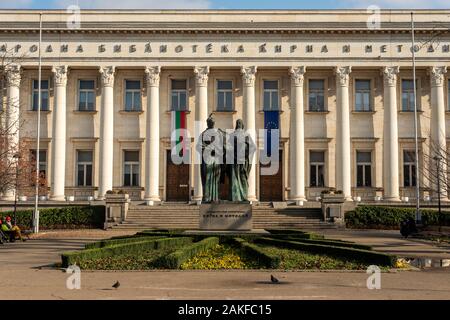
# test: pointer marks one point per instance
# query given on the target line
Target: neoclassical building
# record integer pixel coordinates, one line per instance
(342, 85)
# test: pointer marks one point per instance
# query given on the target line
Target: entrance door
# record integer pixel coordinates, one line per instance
(271, 186)
(224, 189)
(177, 181)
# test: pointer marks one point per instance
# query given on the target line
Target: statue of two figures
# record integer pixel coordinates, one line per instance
(225, 154)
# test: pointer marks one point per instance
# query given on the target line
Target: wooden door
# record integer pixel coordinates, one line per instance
(224, 188)
(271, 186)
(177, 181)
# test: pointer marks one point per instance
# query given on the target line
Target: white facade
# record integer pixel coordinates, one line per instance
(341, 89)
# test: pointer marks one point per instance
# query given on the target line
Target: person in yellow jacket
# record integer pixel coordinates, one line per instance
(14, 229)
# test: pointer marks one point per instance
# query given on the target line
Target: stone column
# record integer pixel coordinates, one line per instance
(438, 144)
(58, 174)
(201, 114)
(106, 132)
(343, 144)
(152, 136)
(248, 80)
(12, 121)
(297, 136)
(390, 136)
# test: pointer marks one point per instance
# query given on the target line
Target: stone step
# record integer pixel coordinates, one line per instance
(168, 212)
(195, 227)
(183, 216)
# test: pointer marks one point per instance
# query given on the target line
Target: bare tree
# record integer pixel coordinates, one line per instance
(436, 167)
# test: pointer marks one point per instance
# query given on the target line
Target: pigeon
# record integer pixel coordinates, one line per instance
(273, 279)
(116, 285)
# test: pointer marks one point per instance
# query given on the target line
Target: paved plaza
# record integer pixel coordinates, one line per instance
(26, 267)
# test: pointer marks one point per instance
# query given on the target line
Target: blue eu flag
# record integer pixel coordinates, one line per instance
(271, 121)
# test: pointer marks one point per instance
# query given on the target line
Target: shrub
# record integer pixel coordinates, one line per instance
(262, 258)
(282, 233)
(76, 257)
(122, 240)
(62, 218)
(391, 217)
(178, 257)
(336, 243)
(367, 256)
(166, 232)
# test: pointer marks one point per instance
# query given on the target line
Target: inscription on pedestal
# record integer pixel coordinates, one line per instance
(226, 216)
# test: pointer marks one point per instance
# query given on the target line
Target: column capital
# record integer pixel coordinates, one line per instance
(343, 75)
(201, 75)
(61, 73)
(13, 75)
(249, 75)
(152, 75)
(107, 74)
(390, 75)
(437, 75)
(297, 75)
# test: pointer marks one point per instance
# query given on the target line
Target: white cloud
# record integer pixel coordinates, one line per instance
(400, 4)
(136, 4)
(16, 4)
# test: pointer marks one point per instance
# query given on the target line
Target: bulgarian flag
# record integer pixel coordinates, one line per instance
(179, 132)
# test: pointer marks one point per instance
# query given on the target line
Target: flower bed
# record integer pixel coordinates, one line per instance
(169, 250)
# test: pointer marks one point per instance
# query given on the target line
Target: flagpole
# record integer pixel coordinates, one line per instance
(36, 199)
(418, 217)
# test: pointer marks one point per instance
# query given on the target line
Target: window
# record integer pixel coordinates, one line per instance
(131, 169)
(316, 95)
(316, 165)
(224, 95)
(86, 95)
(42, 162)
(132, 95)
(44, 95)
(363, 169)
(409, 168)
(408, 95)
(179, 95)
(84, 168)
(271, 101)
(362, 95)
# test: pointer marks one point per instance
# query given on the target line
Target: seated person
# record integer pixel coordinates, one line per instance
(2, 235)
(14, 229)
(5, 230)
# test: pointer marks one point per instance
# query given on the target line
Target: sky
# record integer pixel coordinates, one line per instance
(222, 4)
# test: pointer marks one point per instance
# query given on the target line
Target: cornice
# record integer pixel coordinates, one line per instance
(232, 27)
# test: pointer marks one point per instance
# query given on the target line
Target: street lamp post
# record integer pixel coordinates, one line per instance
(17, 157)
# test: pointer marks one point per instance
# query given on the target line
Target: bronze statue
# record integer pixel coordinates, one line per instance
(216, 147)
(242, 148)
(211, 148)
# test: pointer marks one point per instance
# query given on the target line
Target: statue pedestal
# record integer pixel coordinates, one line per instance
(226, 216)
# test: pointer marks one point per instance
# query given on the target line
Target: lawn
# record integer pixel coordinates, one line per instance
(148, 260)
(293, 250)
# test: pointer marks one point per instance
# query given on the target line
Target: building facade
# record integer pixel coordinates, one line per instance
(341, 81)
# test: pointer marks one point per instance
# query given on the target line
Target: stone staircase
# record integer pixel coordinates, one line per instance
(184, 216)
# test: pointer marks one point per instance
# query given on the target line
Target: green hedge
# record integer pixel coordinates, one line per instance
(263, 259)
(380, 217)
(75, 257)
(366, 256)
(161, 232)
(336, 243)
(62, 218)
(122, 240)
(176, 258)
(281, 233)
